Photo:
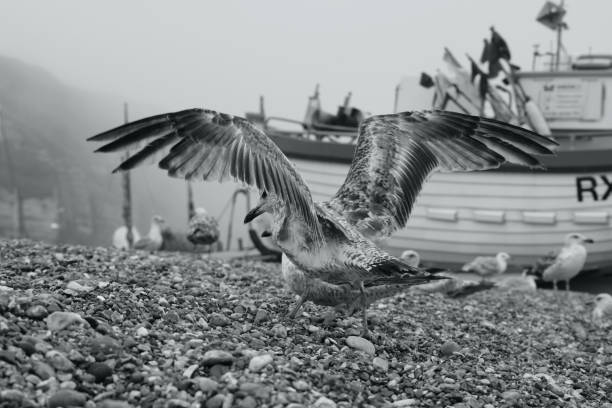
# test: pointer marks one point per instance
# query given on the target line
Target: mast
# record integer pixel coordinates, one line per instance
(127, 191)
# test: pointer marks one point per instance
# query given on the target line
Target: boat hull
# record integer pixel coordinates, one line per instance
(459, 216)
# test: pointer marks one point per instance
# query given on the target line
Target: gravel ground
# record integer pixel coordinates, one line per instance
(96, 327)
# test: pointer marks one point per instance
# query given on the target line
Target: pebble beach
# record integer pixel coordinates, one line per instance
(97, 327)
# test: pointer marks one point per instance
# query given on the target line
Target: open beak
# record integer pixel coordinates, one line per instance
(589, 302)
(254, 213)
(266, 233)
(589, 241)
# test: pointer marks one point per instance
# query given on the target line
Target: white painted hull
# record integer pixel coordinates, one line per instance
(462, 215)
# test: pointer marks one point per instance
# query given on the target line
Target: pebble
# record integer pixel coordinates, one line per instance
(324, 402)
(190, 370)
(67, 398)
(215, 401)
(109, 403)
(257, 363)
(218, 320)
(409, 402)
(449, 348)
(214, 357)
(37, 312)
(57, 321)
(142, 332)
(380, 363)
(206, 384)
(511, 395)
(42, 369)
(260, 316)
(77, 287)
(100, 371)
(59, 361)
(279, 331)
(301, 385)
(360, 343)
(247, 402)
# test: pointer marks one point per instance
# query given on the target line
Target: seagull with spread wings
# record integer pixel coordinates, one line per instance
(332, 240)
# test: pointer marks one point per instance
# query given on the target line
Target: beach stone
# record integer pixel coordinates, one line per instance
(218, 320)
(59, 361)
(247, 402)
(142, 332)
(37, 312)
(190, 370)
(214, 357)
(408, 402)
(359, 343)
(67, 398)
(103, 346)
(260, 316)
(511, 395)
(8, 356)
(216, 401)
(449, 348)
(301, 385)
(324, 402)
(100, 371)
(57, 321)
(279, 331)
(257, 363)
(43, 370)
(381, 364)
(109, 403)
(206, 384)
(77, 287)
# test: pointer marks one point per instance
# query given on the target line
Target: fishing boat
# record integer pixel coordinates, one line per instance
(526, 213)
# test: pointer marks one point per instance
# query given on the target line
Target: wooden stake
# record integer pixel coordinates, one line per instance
(127, 193)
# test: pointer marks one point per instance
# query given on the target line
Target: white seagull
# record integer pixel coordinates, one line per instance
(602, 312)
(120, 240)
(154, 239)
(332, 240)
(569, 261)
(487, 265)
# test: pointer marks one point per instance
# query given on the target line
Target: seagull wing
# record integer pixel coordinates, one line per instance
(207, 145)
(395, 154)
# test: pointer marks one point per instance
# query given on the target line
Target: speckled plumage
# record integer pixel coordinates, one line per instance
(333, 240)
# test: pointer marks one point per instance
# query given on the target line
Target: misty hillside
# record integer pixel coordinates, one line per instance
(45, 123)
(61, 180)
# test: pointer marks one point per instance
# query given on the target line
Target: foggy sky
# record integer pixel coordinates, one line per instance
(168, 55)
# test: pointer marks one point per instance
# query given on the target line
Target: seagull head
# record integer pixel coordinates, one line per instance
(200, 211)
(600, 300)
(157, 219)
(265, 204)
(502, 256)
(411, 257)
(577, 238)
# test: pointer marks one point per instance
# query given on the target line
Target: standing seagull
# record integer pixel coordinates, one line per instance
(154, 239)
(203, 228)
(332, 240)
(602, 312)
(569, 262)
(487, 265)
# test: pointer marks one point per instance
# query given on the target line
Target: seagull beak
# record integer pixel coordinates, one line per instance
(589, 302)
(254, 213)
(266, 233)
(589, 241)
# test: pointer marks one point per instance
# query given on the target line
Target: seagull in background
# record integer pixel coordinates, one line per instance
(602, 312)
(486, 266)
(154, 240)
(203, 228)
(333, 240)
(569, 261)
(120, 240)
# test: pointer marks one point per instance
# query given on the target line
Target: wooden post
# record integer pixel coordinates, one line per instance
(190, 205)
(127, 193)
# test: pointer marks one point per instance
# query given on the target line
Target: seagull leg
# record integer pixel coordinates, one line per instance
(555, 285)
(567, 286)
(365, 331)
(296, 308)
